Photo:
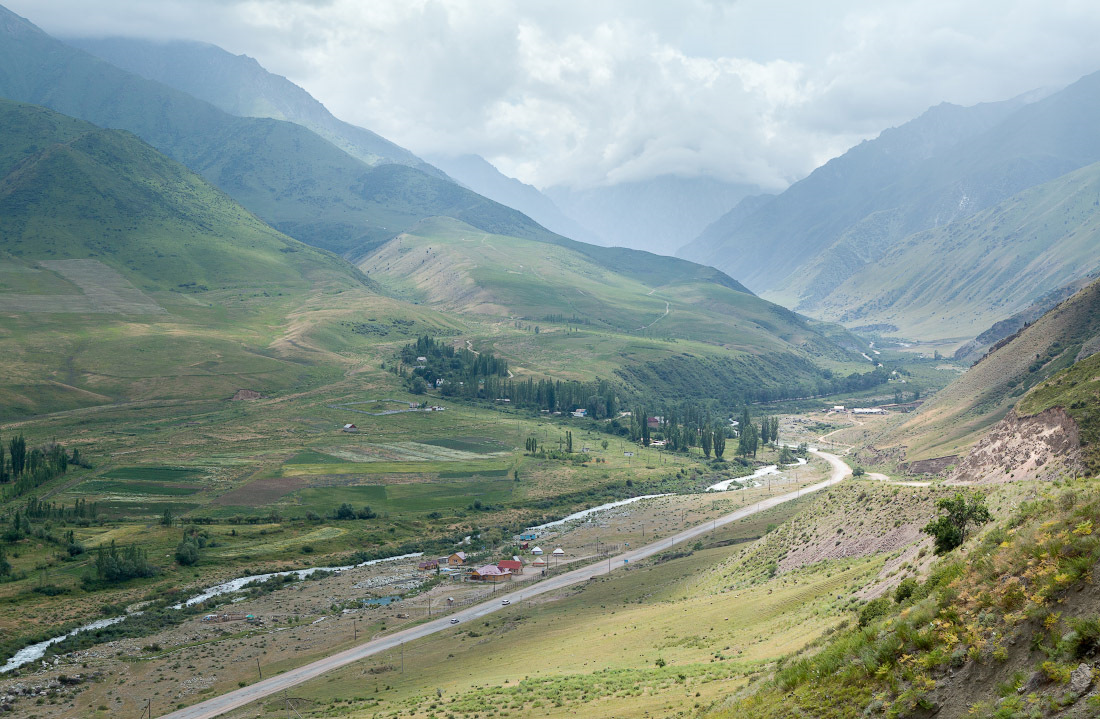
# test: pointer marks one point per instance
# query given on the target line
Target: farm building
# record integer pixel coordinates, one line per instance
(868, 410)
(430, 565)
(513, 566)
(490, 573)
(457, 559)
(579, 413)
(528, 537)
(350, 428)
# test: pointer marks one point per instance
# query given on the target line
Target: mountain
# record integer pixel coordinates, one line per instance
(109, 249)
(657, 215)
(684, 336)
(954, 280)
(286, 174)
(239, 85)
(960, 413)
(944, 167)
(476, 173)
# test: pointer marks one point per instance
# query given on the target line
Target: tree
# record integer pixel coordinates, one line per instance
(345, 511)
(417, 385)
(5, 565)
(719, 444)
(960, 511)
(167, 518)
(604, 443)
(568, 441)
(187, 552)
(17, 448)
(748, 441)
(707, 441)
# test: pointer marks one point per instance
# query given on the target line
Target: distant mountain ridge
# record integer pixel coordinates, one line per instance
(239, 85)
(940, 227)
(867, 194)
(286, 174)
(657, 215)
(482, 177)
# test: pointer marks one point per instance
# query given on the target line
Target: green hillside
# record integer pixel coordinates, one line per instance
(685, 335)
(111, 250)
(957, 415)
(286, 174)
(958, 279)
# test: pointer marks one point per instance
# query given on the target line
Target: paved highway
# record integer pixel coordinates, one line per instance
(265, 688)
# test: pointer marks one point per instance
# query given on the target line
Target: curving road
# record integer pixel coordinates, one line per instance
(238, 698)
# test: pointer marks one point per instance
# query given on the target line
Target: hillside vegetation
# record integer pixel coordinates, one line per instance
(112, 250)
(673, 334)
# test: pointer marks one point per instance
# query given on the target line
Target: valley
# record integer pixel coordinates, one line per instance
(296, 420)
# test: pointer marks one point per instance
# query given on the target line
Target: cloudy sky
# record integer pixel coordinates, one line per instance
(588, 92)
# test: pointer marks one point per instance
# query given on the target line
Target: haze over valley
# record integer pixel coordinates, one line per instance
(470, 360)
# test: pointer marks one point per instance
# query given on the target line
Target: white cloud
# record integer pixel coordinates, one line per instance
(588, 92)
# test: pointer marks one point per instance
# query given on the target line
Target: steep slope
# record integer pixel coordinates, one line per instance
(682, 336)
(954, 280)
(284, 173)
(957, 415)
(976, 348)
(868, 193)
(657, 215)
(111, 250)
(240, 86)
(480, 176)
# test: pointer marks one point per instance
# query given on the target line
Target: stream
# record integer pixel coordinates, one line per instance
(762, 472)
(35, 652)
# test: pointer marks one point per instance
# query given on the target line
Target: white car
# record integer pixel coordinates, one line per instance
(454, 621)
(504, 603)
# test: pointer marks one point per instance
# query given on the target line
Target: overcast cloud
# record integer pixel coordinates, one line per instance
(598, 92)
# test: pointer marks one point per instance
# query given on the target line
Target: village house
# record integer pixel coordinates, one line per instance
(513, 566)
(654, 422)
(429, 565)
(490, 573)
(457, 559)
(580, 413)
(350, 428)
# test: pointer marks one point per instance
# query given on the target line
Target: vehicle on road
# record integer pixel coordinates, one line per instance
(454, 621)
(505, 603)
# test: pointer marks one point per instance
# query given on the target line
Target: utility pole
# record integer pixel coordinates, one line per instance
(258, 671)
(402, 657)
(355, 629)
(147, 712)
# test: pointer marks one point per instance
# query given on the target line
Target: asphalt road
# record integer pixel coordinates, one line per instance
(265, 688)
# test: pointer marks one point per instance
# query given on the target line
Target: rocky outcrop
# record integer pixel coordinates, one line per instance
(1043, 446)
(934, 465)
(246, 394)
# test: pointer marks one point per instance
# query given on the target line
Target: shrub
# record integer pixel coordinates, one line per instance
(872, 610)
(906, 589)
